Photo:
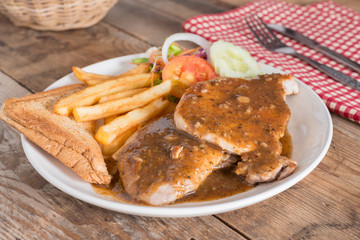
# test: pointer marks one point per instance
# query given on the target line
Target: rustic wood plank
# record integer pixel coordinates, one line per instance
(30, 207)
(37, 59)
(316, 208)
(344, 153)
(153, 21)
(183, 10)
(142, 22)
(324, 205)
(8, 88)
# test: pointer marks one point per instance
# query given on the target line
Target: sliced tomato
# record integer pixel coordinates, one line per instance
(186, 70)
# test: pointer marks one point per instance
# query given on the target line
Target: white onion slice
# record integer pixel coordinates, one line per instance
(149, 51)
(202, 42)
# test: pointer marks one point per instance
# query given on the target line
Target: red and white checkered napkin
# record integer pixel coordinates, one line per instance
(329, 24)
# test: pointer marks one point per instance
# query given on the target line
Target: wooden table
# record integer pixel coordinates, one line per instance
(326, 204)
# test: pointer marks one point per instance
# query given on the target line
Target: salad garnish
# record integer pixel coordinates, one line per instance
(186, 66)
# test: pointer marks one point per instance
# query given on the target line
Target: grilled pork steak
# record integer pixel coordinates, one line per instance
(243, 117)
(160, 164)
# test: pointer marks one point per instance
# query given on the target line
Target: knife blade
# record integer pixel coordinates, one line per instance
(315, 45)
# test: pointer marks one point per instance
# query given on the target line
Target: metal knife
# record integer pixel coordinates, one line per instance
(315, 45)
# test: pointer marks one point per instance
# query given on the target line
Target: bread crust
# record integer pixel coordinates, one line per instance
(71, 142)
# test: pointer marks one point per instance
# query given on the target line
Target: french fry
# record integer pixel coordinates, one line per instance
(119, 141)
(102, 110)
(93, 78)
(110, 118)
(92, 94)
(179, 87)
(86, 76)
(140, 68)
(170, 108)
(119, 95)
(95, 81)
(107, 133)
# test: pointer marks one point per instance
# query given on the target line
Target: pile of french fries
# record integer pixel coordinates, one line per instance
(124, 102)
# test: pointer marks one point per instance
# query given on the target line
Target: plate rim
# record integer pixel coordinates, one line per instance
(177, 210)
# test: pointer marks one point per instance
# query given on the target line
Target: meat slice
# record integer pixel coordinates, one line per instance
(160, 164)
(264, 168)
(243, 117)
(228, 161)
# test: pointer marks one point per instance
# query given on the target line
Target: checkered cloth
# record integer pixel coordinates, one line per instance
(332, 25)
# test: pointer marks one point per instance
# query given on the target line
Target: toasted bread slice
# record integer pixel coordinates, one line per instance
(71, 142)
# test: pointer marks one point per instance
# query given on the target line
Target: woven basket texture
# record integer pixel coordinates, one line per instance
(56, 15)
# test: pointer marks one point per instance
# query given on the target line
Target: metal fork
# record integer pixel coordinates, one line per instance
(268, 40)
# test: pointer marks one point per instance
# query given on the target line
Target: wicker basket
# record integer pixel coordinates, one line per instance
(55, 15)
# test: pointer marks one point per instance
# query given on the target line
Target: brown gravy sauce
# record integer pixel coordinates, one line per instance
(219, 184)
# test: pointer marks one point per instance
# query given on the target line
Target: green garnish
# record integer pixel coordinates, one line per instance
(173, 99)
(174, 50)
(140, 60)
(157, 82)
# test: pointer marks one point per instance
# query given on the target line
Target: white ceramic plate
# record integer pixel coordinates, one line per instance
(310, 127)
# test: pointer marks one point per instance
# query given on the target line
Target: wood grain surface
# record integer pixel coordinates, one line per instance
(324, 205)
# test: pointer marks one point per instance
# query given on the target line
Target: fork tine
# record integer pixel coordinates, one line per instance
(262, 33)
(253, 29)
(259, 25)
(265, 28)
